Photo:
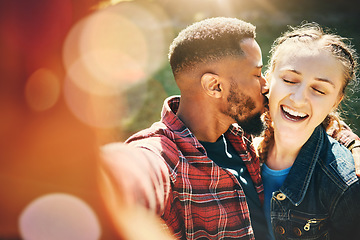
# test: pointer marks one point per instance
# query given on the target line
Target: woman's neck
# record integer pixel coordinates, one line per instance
(284, 151)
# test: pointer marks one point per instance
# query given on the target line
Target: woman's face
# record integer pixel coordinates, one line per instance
(304, 88)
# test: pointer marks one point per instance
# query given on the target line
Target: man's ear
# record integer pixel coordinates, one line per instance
(211, 84)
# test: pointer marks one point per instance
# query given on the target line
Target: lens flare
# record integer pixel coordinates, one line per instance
(97, 110)
(59, 216)
(108, 49)
(42, 90)
(110, 52)
(156, 27)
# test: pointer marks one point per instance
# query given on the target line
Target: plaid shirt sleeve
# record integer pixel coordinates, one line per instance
(140, 175)
(345, 136)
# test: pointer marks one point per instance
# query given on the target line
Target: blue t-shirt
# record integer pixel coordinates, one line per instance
(272, 181)
(225, 155)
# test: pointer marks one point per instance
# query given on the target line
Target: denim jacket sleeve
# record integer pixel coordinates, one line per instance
(345, 213)
(346, 216)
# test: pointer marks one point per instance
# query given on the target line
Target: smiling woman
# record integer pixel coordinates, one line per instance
(309, 178)
(305, 87)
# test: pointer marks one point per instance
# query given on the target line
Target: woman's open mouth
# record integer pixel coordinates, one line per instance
(293, 115)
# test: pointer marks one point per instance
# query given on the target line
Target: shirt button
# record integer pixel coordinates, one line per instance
(280, 230)
(280, 196)
(297, 232)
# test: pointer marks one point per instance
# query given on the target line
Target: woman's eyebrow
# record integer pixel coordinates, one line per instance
(291, 70)
(325, 80)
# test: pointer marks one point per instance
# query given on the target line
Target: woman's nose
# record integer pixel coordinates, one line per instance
(298, 95)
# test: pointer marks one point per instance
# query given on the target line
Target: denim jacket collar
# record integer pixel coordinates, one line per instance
(296, 184)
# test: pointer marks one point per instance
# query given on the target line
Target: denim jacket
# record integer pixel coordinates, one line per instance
(321, 195)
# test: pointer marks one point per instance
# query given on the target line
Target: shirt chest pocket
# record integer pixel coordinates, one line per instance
(307, 226)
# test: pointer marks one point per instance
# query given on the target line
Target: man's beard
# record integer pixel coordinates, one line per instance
(241, 105)
(252, 125)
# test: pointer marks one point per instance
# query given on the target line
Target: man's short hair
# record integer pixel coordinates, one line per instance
(207, 41)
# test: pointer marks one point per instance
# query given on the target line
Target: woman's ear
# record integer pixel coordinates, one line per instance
(211, 84)
(338, 101)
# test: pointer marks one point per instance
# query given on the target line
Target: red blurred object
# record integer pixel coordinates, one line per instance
(47, 151)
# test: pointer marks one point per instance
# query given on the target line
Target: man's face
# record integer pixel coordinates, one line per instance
(246, 89)
(241, 108)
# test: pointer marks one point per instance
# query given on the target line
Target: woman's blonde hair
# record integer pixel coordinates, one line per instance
(338, 46)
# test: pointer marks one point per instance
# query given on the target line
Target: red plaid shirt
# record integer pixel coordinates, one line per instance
(195, 197)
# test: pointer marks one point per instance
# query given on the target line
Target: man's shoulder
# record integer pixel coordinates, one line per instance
(158, 139)
(158, 133)
(157, 129)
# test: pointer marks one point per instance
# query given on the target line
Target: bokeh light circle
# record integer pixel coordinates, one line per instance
(156, 27)
(42, 90)
(97, 110)
(110, 52)
(59, 216)
(108, 49)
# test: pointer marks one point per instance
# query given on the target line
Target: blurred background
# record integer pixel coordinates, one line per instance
(76, 74)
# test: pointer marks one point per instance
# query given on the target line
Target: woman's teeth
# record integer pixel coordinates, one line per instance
(292, 114)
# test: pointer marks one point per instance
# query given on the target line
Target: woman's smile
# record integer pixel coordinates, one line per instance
(293, 115)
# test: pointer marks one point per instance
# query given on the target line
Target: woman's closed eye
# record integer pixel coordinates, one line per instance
(288, 81)
(317, 90)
